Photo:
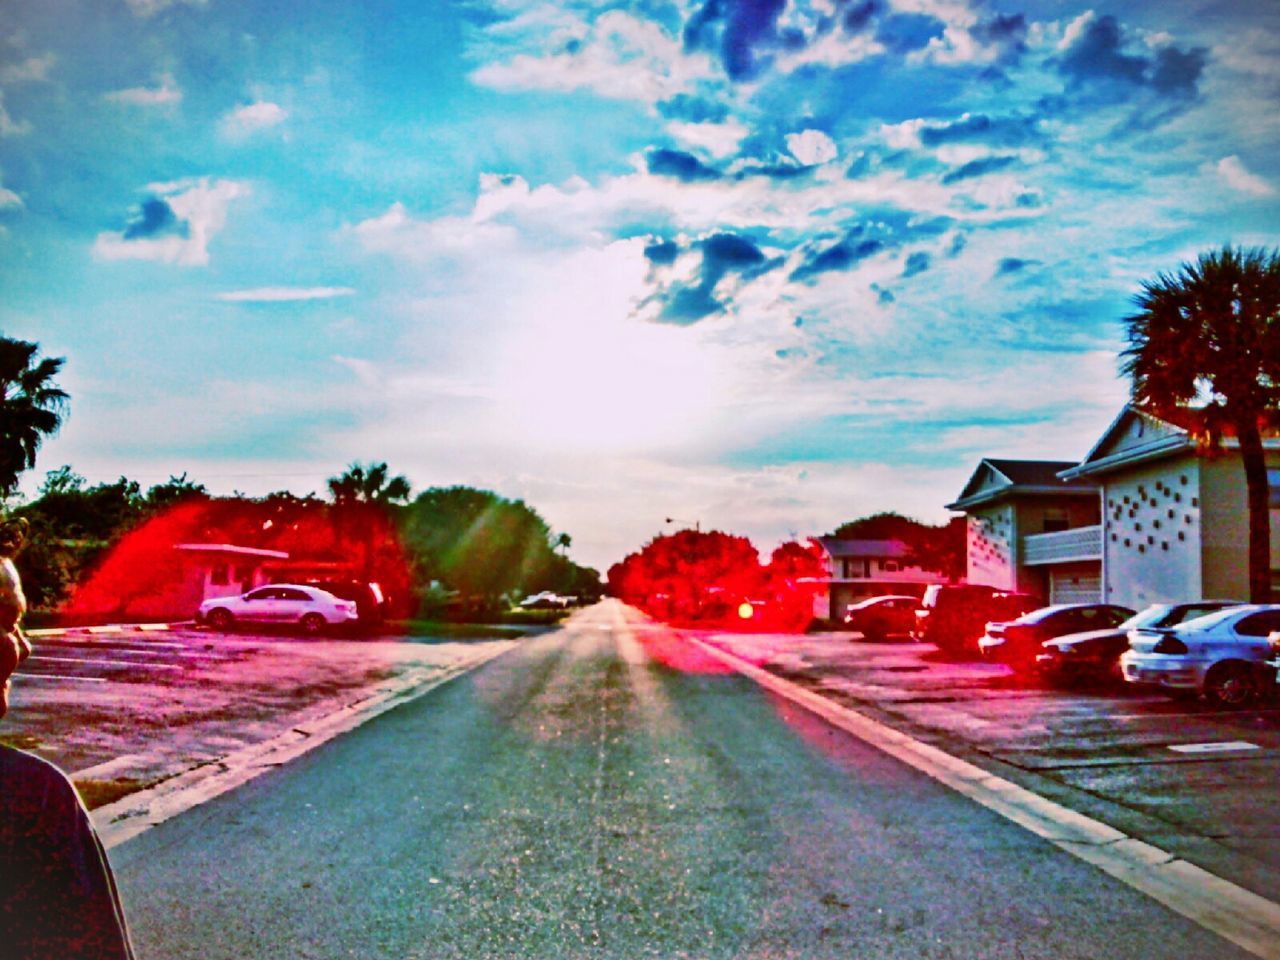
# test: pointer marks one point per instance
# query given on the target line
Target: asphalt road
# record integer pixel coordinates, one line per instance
(604, 791)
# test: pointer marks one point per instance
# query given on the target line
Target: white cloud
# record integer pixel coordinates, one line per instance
(8, 126)
(166, 94)
(1075, 30)
(718, 139)
(618, 56)
(1233, 173)
(812, 147)
(147, 8)
(30, 70)
(199, 206)
(284, 294)
(9, 199)
(251, 118)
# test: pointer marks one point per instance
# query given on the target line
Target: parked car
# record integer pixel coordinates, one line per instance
(545, 600)
(1224, 656)
(310, 608)
(879, 617)
(1017, 643)
(953, 616)
(1095, 654)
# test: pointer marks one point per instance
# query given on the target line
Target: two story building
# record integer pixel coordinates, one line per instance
(858, 569)
(1147, 516)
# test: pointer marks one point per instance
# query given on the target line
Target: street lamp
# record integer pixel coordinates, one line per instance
(697, 524)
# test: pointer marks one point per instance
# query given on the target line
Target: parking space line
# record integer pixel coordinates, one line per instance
(58, 676)
(106, 663)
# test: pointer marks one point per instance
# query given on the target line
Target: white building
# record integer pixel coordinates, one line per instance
(858, 569)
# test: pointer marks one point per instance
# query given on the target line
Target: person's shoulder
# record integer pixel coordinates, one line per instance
(25, 774)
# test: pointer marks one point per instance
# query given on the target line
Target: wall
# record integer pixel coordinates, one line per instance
(1225, 518)
(989, 544)
(1149, 555)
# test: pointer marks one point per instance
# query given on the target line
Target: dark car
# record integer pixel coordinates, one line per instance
(370, 602)
(879, 617)
(1095, 654)
(953, 616)
(1018, 642)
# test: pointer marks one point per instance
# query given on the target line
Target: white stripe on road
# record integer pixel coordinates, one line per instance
(1226, 747)
(106, 663)
(58, 676)
(1241, 916)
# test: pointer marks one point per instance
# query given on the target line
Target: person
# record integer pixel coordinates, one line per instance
(58, 899)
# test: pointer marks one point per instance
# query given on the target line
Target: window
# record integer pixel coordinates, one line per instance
(1055, 520)
(1259, 624)
(1273, 489)
(890, 565)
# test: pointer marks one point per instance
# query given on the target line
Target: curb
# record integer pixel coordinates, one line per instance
(1239, 915)
(108, 628)
(138, 812)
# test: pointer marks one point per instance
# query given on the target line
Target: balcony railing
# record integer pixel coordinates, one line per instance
(1062, 546)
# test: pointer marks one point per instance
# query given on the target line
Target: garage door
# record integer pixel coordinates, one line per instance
(1075, 588)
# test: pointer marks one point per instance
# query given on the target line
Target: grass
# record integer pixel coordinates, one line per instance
(99, 793)
(445, 630)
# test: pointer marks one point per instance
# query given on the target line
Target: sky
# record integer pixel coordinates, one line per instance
(761, 265)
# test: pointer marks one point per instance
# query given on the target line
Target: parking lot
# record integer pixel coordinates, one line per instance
(1183, 775)
(123, 708)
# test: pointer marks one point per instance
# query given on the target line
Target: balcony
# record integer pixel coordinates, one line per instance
(1063, 546)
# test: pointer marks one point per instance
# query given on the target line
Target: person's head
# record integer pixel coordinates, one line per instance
(14, 647)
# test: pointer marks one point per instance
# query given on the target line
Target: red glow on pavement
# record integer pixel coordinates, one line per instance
(145, 576)
(714, 580)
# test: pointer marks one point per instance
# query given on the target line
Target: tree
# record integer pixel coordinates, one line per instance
(563, 542)
(363, 499)
(1204, 352)
(940, 548)
(32, 407)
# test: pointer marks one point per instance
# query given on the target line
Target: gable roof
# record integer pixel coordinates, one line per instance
(1137, 435)
(863, 548)
(996, 479)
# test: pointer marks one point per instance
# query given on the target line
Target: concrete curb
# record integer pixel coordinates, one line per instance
(112, 628)
(1241, 916)
(129, 816)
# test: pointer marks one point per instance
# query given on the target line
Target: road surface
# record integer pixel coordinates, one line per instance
(604, 791)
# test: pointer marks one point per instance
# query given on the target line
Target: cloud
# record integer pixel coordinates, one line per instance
(618, 56)
(662, 252)
(166, 94)
(1234, 174)
(978, 168)
(721, 254)
(251, 118)
(1092, 52)
(174, 224)
(917, 262)
(8, 126)
(284, 294)
(980, 128)
(841, 256)
(693, 109)
(717, 139)
(30, 70)
(683, 166)
(812, 147)
(741, 31)
(1011, 265)
(148, 8)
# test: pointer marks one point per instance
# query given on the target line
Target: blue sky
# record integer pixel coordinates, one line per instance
(761, 264)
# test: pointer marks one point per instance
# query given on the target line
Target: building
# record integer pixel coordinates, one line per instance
(1030, 531)
(858, 569)
(1147, 516)
(1175, 516)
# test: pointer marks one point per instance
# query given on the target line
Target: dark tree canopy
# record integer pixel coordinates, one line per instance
(1204, 352)
(939, 548)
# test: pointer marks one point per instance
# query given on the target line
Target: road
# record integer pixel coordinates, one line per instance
(605, 791)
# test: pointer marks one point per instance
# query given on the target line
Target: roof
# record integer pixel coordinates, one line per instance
(1137, 435)
(863, 548)
(232, 549)
(997, 479)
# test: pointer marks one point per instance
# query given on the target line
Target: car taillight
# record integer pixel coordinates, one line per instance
(1273, 641)
(1169, 645)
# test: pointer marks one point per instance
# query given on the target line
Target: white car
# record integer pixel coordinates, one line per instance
(1223, 655)
(310, 608)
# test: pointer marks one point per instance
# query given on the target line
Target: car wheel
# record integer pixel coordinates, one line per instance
(312, 624)
(220, 618)
(1230, 685)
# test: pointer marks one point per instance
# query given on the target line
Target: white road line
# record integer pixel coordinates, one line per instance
(1241, 916)
(1225, 747)
(58, 676)
(106, 663)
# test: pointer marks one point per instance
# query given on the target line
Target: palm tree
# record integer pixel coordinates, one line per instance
(362, 497)
(1204, 351)
(32, 407)
(563, 542)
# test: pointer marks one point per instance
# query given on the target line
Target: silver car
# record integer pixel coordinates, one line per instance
(310, 608)
(1223, 656)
